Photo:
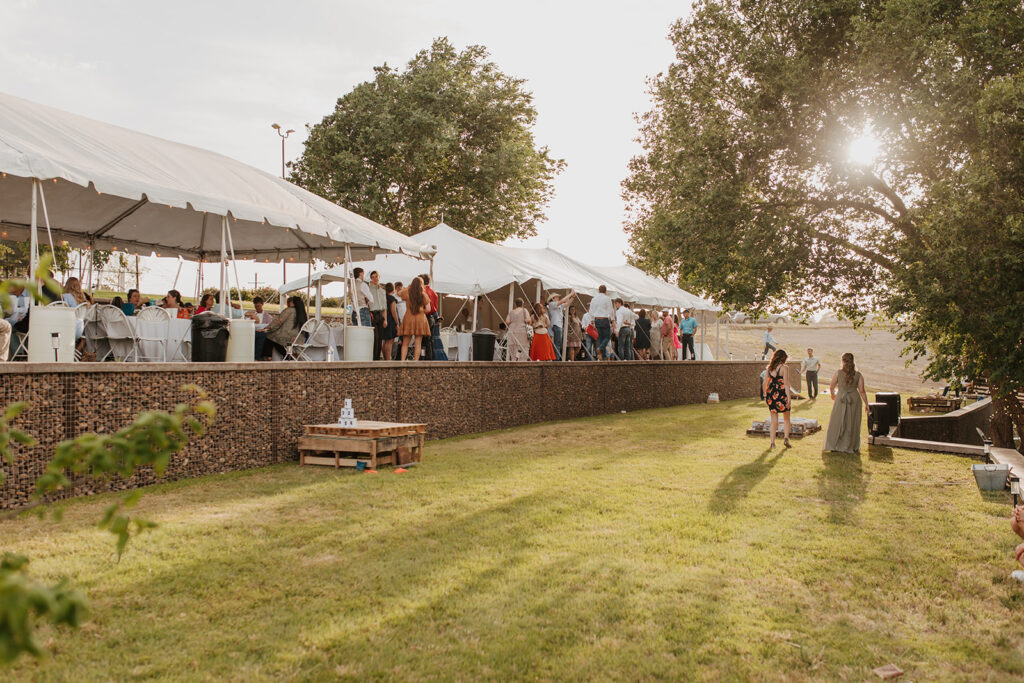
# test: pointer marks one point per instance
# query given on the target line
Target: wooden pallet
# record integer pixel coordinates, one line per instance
(933, 404)
(373, 443)
(794, 434)
(367, 428)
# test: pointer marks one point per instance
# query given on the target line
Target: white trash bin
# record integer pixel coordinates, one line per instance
(43, 323)
(242, 342)
(358, 343)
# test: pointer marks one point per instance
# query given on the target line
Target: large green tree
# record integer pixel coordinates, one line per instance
(852, 154)
(448, 135)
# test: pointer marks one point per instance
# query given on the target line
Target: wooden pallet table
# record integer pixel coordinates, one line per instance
(933, 404)
(375, 443)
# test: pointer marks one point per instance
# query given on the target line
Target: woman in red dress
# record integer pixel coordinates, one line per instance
(541, 348)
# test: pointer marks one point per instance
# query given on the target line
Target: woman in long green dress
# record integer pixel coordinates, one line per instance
(844, 423)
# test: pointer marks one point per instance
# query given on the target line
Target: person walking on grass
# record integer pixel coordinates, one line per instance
(776, 394)
(809, 366)
(844, 423)
(769, 343)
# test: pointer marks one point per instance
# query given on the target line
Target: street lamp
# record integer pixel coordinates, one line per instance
(284, 136)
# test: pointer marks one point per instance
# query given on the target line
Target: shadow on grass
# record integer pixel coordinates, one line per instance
(880, 454)
(842, 484)
(738, 484)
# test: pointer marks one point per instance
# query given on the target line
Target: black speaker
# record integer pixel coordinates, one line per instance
(878, 419)
(894, 403)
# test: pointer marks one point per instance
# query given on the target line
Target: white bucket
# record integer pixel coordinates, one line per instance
(358, 343)
(43, 323)
(242, 342)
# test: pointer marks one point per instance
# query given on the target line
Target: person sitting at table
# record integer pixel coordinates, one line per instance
(172, 302)
(206, 303)
(133, 304)
(117, 302)
(258, 315)
(283, 329)
(414, 325)
(73, 294)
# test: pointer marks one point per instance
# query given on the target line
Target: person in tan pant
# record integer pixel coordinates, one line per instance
(668, 337)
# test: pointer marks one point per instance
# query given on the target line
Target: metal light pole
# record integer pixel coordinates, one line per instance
(284, 136)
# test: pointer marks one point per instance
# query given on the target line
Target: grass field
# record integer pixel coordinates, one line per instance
(660, 544)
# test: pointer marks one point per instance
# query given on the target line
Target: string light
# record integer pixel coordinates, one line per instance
(3, 234)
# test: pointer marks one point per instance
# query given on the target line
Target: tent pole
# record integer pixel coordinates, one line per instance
(538, 290)
(234, 265)
(33, 258)
(727, 340)
(476, 300)
(92, 261)
(319, 298)
(225, 294)
(348, 292)
(309, 278)
(718, 337)
(177, 273)
(703, 329)
(511, 303)
(199, 280)
(137, 270)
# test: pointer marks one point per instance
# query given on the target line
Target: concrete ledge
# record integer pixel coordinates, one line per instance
(1008, 456)
(934, 446)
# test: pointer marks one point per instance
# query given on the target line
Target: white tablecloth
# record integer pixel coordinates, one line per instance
(459, 346)
(178, 336)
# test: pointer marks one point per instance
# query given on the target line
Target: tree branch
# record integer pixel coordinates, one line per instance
(874, 257)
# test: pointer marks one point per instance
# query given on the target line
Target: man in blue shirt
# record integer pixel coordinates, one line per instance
(687, 326)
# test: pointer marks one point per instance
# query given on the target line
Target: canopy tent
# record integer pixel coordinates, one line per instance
(649, 290)
(108, 187)
(466, 266)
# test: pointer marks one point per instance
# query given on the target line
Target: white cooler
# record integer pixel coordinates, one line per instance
(242, 342)
(358, 343)
(43, 322)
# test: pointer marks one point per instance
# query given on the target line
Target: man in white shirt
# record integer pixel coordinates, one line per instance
(810, 366)
(624, 320)
(602, 313)
(769, 343)
(377, 306)
(555, 307)
(362, 297)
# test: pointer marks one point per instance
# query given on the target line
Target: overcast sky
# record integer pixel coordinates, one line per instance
(217, 74)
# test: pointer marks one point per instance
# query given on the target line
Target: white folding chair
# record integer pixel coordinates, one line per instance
(314, 336)
(59, 303)
(118, 335)
(152, 329)
(92, 330)
(19, 345)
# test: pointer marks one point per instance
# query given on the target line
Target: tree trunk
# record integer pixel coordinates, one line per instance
(1007, 413)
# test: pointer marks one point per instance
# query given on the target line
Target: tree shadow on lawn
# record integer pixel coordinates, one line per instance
(369, 582)
(842, 484)
(738, 484)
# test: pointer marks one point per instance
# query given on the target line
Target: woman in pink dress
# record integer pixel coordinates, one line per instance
(518, 322)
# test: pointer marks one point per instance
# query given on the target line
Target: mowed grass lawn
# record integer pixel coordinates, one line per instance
(660, 544)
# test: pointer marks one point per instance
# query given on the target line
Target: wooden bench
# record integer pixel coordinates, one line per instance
(933, 404)
(371, 442)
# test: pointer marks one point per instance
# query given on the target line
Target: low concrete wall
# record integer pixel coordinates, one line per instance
(262, 407)
(959, 426)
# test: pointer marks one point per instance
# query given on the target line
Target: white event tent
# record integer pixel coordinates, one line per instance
(106, 187)
(467, 267)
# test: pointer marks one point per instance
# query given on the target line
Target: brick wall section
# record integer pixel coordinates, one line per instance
(262, 407)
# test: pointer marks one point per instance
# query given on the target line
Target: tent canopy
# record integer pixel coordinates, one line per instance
(466, 266)
(109, 187)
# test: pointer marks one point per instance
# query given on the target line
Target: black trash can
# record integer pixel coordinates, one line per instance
(878, 419)
(893, 401)
(209, 338)
(483, 345)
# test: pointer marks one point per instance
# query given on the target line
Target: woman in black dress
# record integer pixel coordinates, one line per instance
(391, 328)
(776, 393)
(642, 343)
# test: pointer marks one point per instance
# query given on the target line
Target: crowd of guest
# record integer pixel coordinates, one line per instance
(406, 322)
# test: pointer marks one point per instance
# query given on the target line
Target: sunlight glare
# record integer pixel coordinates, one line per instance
(863, 150)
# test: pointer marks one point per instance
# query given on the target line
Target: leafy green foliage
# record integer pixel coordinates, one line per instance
(747, 188)
(149, 441)
(450, 134)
